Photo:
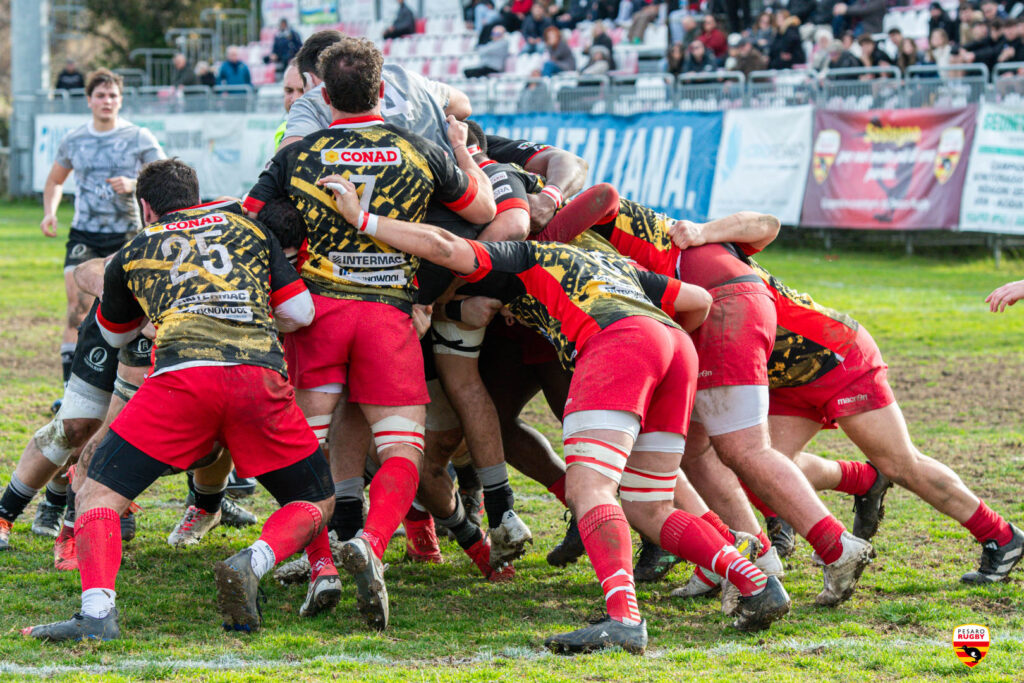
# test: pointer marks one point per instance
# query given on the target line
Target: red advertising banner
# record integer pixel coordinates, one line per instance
(888, 169)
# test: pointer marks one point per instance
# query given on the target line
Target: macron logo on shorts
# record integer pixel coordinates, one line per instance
(852, 399)
(378, 156)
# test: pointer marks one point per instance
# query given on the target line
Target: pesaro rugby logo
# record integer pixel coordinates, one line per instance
(970, 642)
(951, 146)
(826, 147)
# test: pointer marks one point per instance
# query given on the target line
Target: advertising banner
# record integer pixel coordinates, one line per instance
(762, 162)
(312, 12)
(888, 170)
(994, 189)
(663, 160)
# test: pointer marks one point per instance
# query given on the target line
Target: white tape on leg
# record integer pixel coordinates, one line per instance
(600, 456)
(397, 431)
(646, 486)
(320, 424)
(53, 443)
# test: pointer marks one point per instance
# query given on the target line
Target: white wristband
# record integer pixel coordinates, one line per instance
(554, 193)
(367, 223)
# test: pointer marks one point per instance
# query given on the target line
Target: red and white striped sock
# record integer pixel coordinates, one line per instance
(691, 538)
(605, 534)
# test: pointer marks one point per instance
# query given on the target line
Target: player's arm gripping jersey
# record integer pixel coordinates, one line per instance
(511, 185)
(518, 152)
(208, 278)
(395, 172)
(565, 293)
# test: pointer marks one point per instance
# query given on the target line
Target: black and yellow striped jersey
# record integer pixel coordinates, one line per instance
(207, 277)
(396, 174)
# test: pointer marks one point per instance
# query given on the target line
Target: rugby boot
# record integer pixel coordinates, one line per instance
(869, 509)
(231, 513)
(49, 519)
(371, 594)
(238, 593)
(480, 553)
(127, 526)
(78, 627)
(769, 564)
(323, 594)
(703, 583)
(749, 547)
(570, 548)
(781, 534)
(5, 535)
(421, 541)
(757, 612)
(606, 633)
(842, 575)
(240, 487)
(509, 539)
(653, 563)
(195, 524)
(997, 560)
(65, 555)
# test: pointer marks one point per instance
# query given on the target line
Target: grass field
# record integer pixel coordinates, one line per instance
(957, 371)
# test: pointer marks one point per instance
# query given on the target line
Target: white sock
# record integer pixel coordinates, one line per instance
(263, 559)
(97, 602)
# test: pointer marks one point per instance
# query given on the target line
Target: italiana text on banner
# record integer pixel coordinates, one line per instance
(762, 162)
(663, 160)
(228, 151)
(888, 170)
(994, 189)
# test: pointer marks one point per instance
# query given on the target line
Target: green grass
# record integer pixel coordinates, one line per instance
(956, 368)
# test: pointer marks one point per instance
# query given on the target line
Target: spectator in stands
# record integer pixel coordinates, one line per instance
(787, 50)
(763, 32)
(675, 59)
(1013, 51)
(699, 59)
(849, 41)
(871, 55)
(840, 58)
(744, 57)
(492, 55)
(940, 50)
(938, 18)
(286, 44)
(644, 12)
(511, 17)
(992, 10)
(985, 45)
(181, 73)
(484, 14)
(908, 55)
(205, 75)
(804, 9)
(862, 16)
(576, 11)
(233, 71)
(965, 20)
(534, 25)
(823, 40)
(684, 31)
(599, 63)
(713, 38)
(599, 38)
(70, 78)
(891, 46)
(404, 23)
(560, 57)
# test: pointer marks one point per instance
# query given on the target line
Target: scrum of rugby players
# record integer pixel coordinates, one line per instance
(439, 281)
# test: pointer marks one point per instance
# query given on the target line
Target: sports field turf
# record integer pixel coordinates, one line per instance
(957, 371)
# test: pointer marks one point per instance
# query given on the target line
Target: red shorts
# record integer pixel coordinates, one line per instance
(175, 417)
(855, 386)
(639, 365)
(734, 343)
(369, 346)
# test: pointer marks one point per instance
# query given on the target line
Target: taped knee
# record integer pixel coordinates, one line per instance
(451, 340)
(645, 486)
(397, 431)
(320, 424)
(53, 443)
(660, 442)
(600, 456)
(124, 389)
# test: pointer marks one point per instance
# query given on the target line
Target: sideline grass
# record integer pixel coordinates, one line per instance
(957, 370)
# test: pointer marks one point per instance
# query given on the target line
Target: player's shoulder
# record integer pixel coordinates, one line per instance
(79, 133)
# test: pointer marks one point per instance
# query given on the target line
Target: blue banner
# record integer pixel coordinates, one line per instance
(665, 160)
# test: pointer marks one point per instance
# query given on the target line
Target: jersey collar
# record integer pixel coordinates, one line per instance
(486, 162)
(358, 122)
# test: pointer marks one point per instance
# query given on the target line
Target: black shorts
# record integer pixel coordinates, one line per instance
(95, 361)
(83, 246)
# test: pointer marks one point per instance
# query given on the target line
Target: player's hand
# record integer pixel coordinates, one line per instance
(510, 319)
(49, 225)
(348, 203)
(542, 210)
(1007, 295)
(149, 330)
(421, 318)
(478, 311)
(458, 132)
(121, 184)
(686, 234)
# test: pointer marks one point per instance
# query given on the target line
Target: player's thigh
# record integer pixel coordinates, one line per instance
(308, 479)
(117, 473)
(880, 434)
(790, 434)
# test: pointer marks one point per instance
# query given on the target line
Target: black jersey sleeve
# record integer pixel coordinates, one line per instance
(119, 316)
(500, 257)
(284, 278)
(508, 151)
(273, 181)
(660, 289)
(509, 189)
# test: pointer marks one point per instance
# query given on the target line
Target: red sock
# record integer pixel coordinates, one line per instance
(712, 518)
(705, 547)
(826, 539)
(605, 534)
(391, 492)
(761, 506)
(986, 524)
(558, 489)
(598, 204)
(766, 543)
(319, 554)
(857, 477)
(414, 515)
(291, 528)
(98, 541)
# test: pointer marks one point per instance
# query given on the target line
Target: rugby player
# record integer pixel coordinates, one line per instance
(363, 339)
(625, 422)
(106, 155)
(294, 88)
(215, 285)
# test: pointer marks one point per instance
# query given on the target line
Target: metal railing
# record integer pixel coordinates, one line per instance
(230, 27)
(712, 91)
(862, 88)
(1007, 84)
(945, 86)
(775, 89)
(157, 63)
(197, 44)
